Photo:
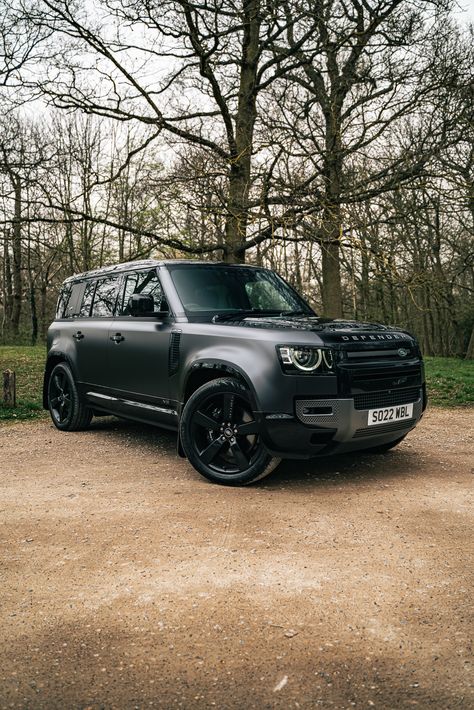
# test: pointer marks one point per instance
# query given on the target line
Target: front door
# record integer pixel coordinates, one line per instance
(138, 350)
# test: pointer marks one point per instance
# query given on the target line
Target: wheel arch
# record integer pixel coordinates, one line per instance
(204, 371)
(207, 370)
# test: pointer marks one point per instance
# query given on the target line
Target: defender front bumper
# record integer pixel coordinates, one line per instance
(327, 426)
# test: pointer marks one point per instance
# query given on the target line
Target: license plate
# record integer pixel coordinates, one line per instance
(390, 414)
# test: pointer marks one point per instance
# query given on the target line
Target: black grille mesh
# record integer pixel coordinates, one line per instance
(173, 357)
(384, 428)
(373, 400)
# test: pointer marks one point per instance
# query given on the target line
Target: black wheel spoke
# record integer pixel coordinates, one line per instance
(224, 433)
(247, 428)
(58, 383)
(228, 408)
(212, 450)
(68, 411)
(205, 421)
(239, 456)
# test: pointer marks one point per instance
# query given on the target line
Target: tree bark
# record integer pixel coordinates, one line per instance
(241, 155)
(332, 216)
(470, 348)
(9, 388)
(16, 247)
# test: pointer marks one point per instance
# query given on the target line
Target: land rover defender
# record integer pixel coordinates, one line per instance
(234, 360)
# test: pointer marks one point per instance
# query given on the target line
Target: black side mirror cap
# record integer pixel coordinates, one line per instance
(141, 305)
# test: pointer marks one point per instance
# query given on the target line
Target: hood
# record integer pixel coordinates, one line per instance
(331, 330)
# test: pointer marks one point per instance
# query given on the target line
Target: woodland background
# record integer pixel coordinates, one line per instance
(331, 140)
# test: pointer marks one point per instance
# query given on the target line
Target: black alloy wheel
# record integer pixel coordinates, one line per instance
(220, 434)
(67, 410)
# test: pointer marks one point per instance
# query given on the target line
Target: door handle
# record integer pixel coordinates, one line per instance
(78, 335)
(117, 338)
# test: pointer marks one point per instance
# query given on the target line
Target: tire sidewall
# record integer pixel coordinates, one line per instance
(263, 464)
(79, 416)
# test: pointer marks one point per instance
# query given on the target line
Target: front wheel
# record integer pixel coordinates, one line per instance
(67, 410)
(220, 435)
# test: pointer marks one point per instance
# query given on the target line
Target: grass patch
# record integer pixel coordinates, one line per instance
(450, 381)
(28, 363)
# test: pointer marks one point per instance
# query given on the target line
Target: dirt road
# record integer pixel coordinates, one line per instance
(127, 581)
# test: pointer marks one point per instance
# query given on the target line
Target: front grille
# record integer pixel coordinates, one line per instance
(374, 400)
(384, 428)
(382, 379)
(391, 354)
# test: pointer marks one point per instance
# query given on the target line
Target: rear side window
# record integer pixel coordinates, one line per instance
(85, 309)
(105, 297)
(63, 300)
(69, 300)
(145, 282)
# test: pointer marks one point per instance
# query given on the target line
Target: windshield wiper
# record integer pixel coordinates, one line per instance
(299, 312)
(243, 313)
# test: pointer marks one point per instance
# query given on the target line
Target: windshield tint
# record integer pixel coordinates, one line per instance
(219, 289)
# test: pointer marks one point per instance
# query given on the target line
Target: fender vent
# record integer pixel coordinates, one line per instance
(173, 356)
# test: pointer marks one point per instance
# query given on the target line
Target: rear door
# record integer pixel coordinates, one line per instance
(138, 346)
(91, 331)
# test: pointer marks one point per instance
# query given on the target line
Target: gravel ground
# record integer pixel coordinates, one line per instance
(127, 581)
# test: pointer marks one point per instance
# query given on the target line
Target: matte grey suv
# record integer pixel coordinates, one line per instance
(234, 360)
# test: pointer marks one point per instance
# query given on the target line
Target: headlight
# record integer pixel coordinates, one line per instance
(305, 358)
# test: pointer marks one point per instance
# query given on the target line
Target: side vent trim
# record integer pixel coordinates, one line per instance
(173, 355)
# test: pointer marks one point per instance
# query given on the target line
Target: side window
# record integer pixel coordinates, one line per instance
(85, 309)
(74, 300)
(105, 297)
(63, 300)
(145, 282)
(70, 299)
(131, 282)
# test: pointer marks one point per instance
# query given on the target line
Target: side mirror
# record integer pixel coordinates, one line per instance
(141, 305)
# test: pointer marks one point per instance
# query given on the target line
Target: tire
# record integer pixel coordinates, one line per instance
(383, 448)
(220, 435)
(67, 410)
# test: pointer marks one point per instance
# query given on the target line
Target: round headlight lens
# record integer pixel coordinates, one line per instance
(307, 359)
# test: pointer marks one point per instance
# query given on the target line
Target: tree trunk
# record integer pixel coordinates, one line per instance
(34, 315)
(332, 220)
(331, 268)
(241, 156)
(7, 286)
(470, 348)
(16, 244)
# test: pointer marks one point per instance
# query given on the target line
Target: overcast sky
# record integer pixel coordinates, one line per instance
(467, 9)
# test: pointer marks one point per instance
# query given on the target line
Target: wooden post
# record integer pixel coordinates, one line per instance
(9, 388)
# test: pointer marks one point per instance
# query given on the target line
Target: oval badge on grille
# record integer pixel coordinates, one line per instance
(403, 352)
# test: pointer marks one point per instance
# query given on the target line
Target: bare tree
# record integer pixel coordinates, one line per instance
(374, 65)
(197, 77)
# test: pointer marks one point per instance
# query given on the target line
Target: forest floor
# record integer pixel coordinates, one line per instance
(130, 582)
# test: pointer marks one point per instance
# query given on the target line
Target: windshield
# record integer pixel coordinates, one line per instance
(209, 290)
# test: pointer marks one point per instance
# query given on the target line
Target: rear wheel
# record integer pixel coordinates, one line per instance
(220, 435)
(67, 410)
